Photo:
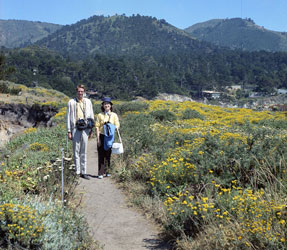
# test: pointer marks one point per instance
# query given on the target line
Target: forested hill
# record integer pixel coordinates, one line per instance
(239, 33)
(121, 35)
(17, 33)
(126, 77)
(124, 57)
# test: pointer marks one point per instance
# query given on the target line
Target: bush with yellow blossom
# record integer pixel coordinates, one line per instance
(213, 168)
(20, 225)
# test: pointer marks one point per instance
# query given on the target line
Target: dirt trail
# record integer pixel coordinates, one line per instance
(111, 222)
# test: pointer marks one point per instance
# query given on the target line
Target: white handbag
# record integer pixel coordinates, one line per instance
(117, 147)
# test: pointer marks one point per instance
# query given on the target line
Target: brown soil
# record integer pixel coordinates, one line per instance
(112, 223)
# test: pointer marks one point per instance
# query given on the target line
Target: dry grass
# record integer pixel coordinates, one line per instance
(216, 237)
(33, 95)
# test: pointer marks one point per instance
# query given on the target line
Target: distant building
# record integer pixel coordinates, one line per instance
(256, 94)
(281, 91)
(92, 94)
(278, 107)
(233, 87)
(211, 94)
(249, 87)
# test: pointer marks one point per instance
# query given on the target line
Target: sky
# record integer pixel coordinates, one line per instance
(271, 14)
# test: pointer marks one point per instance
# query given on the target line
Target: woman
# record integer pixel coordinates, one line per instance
(104, 156)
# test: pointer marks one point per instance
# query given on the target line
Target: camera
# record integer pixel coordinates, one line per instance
(81, 124)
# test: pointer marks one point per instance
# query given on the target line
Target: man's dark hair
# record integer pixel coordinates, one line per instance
(81, 86)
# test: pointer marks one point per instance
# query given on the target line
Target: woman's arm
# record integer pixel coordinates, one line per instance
(98, 130)
(98, 136)
(116, 121)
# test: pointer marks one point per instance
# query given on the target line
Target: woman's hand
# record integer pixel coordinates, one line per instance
(91, 134)
(99, 142)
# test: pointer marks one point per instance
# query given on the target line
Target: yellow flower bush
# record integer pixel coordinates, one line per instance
(214, 166)
(51, 103)
(62, 113)
(38, 147)
(253, 213)
(20, 224)
(30, 130)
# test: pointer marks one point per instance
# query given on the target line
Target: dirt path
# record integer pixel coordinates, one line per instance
(111, 222)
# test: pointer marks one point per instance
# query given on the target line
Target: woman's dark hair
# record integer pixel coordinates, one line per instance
(103, 109)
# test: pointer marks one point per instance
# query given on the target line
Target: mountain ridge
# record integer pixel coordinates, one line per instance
(121, 35)
(19, 33)
(234, 33)
(238, 33)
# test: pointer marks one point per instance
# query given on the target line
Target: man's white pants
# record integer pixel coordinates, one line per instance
(80, 145)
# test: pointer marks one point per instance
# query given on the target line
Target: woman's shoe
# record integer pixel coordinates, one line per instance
(108, 175)
(100, 177)
(84, 176)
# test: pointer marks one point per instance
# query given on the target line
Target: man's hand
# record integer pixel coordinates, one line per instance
(99, 141)
(70, 136)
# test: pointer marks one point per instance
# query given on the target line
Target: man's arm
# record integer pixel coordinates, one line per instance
(69, 133)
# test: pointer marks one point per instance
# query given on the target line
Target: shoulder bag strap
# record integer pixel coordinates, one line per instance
(119, 135)
(76, 110)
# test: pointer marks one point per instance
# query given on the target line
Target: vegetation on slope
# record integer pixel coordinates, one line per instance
(121, 35)
(146, 76)
(237, 33)
(32, 215)
(213, 177)
(17, 33)
(141, 54)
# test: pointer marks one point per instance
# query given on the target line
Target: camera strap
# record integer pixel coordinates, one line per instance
(82, 108)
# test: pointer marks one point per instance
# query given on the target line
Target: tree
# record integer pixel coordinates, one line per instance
(2, 65)
(4, 70)
(265, 85)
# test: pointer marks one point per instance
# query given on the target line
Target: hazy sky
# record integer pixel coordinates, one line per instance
(181, 13)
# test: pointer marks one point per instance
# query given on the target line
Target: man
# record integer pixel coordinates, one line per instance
(79, 109)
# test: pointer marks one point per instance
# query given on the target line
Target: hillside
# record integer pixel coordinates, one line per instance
(17, 33)
(146, 76)
(140, 54)
(121, 35)
(238, 33)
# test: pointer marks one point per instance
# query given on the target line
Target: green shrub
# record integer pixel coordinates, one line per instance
(138, 133)
(225, 171)
(20, 226)
(4, 88)
(163, 115)
(30, 180)
(130, 107)
(192, 114)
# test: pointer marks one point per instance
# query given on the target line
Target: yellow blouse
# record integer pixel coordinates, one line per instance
(104, 117)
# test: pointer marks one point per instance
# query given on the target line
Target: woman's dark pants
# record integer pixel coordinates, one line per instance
(104, 158)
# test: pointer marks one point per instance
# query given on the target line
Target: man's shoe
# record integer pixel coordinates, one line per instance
(108, 175)
(100, 177)
(84, 176)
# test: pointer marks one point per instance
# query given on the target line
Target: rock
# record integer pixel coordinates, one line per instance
(173, 97)
(15, 118)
